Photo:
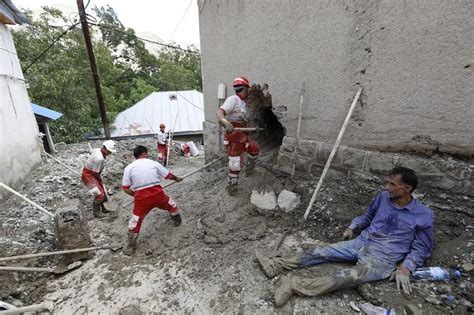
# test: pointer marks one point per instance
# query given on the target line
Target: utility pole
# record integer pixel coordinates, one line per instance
(95, 74)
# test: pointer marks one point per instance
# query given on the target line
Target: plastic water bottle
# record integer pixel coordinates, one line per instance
(370, 309)
(436, 274)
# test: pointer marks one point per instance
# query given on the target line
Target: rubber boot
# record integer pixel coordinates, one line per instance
(250, 166)
(176, 219)
(129, 250)
(104, 209)
(232, 183)
(96, 210)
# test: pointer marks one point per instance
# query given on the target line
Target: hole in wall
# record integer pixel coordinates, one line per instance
(261, 113)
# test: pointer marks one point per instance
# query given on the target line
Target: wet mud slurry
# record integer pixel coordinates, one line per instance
(207, 264)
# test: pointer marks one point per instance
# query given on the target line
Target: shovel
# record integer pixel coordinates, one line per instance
(56, 271)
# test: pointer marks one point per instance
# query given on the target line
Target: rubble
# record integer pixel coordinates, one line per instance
(206, 265)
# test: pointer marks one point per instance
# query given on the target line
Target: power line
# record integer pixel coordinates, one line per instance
(181, 19)
(50, 46)
(144, 39)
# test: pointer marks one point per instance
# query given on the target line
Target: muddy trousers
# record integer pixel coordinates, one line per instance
(368, 268)
(144, 205)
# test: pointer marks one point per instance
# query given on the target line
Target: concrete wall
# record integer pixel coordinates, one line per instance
(414, 60)
(19, 141)
(435, 172)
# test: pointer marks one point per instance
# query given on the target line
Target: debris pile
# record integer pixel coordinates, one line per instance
(207, 264)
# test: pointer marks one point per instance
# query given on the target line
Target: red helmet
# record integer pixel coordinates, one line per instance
(162, 126)
(241, 81)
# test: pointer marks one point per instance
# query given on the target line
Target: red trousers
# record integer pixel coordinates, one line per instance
(238, 142)
(163, 151)
(89, 178)
(147, 199)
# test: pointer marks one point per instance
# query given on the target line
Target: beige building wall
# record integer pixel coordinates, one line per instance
(414, 60)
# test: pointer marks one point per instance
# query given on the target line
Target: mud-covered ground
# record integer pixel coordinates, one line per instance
(207, 264)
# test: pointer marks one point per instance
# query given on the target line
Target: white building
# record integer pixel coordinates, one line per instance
(181, 111)
(21, 147)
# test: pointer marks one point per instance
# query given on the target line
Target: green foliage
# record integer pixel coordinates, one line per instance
(61, 79)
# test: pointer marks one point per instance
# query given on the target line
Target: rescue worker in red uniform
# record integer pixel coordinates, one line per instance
(161, 145)
(232, 114)
(91, 177)
(141, 179)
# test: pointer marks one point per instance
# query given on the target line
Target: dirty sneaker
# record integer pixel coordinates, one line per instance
(176, 219)
(283, 292)
(266, 265)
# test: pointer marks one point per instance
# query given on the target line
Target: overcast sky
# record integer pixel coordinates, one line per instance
(160, 17)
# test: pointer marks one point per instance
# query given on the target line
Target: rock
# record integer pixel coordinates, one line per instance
(266, 200)
(433, 300)
(411, 309)
(443, 196)
(467, 267)
(288, 200)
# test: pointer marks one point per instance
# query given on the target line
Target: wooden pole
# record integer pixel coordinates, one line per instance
(333, 152)
(52, 157)
(37, 206)
(297, 131)
(45, 306)
(69, 251)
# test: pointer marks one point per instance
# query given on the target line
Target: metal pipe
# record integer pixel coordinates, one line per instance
(37, 206)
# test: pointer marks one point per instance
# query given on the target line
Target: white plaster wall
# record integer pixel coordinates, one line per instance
(19, 142)
(414, 60)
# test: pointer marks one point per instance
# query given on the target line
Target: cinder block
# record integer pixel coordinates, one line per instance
(379, 163)
(72, 230)
(324, 153)
(308, 149)
(284, 162)
(352, 158)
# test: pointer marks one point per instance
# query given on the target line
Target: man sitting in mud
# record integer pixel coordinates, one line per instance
(395, 228)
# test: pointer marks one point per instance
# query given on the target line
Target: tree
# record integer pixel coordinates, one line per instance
(61, 78)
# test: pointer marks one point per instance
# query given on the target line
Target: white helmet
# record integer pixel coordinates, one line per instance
(109, 145)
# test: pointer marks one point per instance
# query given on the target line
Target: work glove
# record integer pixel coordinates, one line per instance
(227, 125)
(178, 179)
(402, 277)
(347, 235)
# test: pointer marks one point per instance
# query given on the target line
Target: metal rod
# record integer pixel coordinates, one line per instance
(333, 152)
(37, 206)
(95, 73)
(69, 251)
(49, 155)
(297, 132)
(193, 172)
(248, 129)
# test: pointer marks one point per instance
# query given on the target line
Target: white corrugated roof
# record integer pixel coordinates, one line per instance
(181, 111)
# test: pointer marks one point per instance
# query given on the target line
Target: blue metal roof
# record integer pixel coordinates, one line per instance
(45, 112)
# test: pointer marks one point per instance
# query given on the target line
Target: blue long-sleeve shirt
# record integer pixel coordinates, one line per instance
(395, 234)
